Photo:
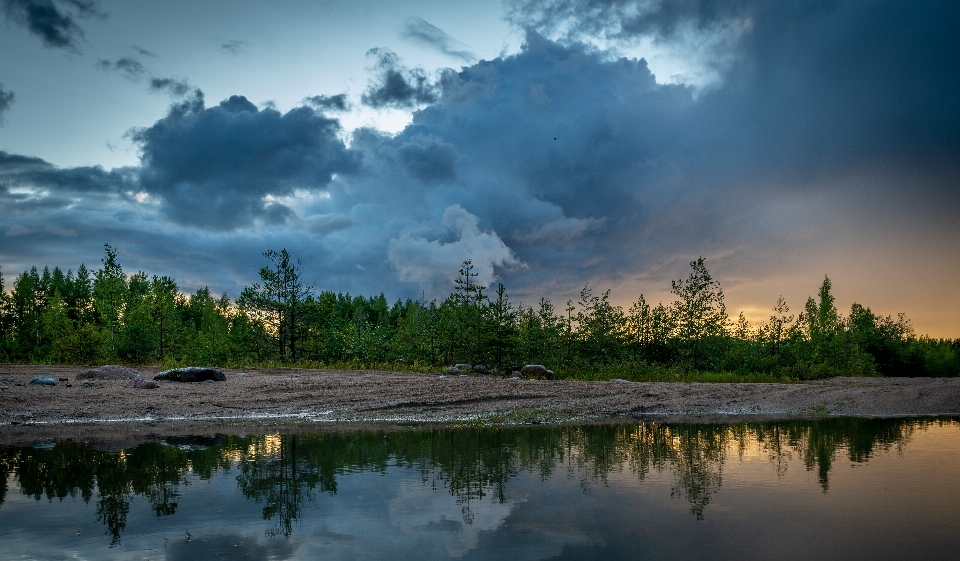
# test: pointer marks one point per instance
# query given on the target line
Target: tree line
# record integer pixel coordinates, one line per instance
(86, 317)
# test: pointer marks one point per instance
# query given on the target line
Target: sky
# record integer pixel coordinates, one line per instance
(555, 143)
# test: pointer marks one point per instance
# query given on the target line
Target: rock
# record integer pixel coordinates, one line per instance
(463, 367)
(64, 379)
(241, 374)
(110, 372)
(537, 371)
(2, 387)
(453, 370)
(621, 380)
(43, 380)
(142, 384)
(443, 376)
(191, 374)
(480, 369)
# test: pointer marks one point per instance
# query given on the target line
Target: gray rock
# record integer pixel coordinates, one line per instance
(463, 367)
(191, 374)
(480, 369)
(537, 371)
(621, 380)
(110, 372)
(453, 370)
(43, 380)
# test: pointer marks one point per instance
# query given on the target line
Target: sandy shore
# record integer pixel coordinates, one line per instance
(341, 399)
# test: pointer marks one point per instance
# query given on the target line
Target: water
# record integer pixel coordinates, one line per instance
(826, 489)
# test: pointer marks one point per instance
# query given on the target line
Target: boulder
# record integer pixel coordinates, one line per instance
(191, 374)
(480, 369)
(537, 371)
(142, 384)
(43, 380)
(453, 370)
(110, 372)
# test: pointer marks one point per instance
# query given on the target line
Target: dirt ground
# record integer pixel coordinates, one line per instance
(292, 399)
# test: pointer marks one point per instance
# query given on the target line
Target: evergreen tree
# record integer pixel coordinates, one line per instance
(280, 301)
(109, 295)
(700, 315)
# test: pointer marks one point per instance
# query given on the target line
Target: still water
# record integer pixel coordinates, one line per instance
(824, 489)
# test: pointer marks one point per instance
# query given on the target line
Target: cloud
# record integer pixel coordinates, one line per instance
(130, 68)
(143, 52)
(36, 175)
(234, 47)
(397, 86)
(328, 102)
(224, 167)
(52, 20)
(6, 100)
(172, 86)
(418, 30)
(431, 262)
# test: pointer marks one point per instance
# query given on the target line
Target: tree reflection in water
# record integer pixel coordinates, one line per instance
(282, 472)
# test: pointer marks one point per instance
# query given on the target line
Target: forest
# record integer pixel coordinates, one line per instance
(108, 316)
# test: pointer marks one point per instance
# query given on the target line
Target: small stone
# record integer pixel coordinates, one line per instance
(241, 373)
(4, 387)
(43, 380)
(443, 376)
(621, 380)
(63, 379)
(142, 384)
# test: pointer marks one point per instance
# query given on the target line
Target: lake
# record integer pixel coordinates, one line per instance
(810, 489)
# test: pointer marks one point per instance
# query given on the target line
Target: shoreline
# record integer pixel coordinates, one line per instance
(285, 400)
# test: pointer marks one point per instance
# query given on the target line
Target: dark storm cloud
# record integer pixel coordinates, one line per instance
(428, 159)
(130, 68)
(618, 19)
(420, 31)
(36, 173)
(328, 102)
(223, 167)
(234, 47)
(398, 86)
(172, 86)
(6, 100)
(52, 20)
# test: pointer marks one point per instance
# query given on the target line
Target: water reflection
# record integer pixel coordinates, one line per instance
(473, 467)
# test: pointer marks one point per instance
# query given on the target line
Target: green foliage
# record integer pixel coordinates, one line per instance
(52, 316)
